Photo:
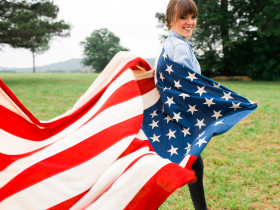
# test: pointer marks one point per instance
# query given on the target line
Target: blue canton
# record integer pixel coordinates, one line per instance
(191, 109)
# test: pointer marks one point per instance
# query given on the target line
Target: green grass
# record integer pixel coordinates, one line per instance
(48, 95)
(242, 166)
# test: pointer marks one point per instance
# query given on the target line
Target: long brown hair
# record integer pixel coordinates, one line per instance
(178, 8)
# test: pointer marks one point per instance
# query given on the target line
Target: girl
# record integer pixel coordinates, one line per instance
(181, 21)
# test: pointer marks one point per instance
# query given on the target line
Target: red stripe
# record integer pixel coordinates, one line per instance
(30, 131)
(190, 162)
(135, 145)
(146, 85)
(73, 156)
(160, 186)
(68, 203)
(142, 63)
(6, 160)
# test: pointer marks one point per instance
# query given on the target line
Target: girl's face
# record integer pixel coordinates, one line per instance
(184, 25)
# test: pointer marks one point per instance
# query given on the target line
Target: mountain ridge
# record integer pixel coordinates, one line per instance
(71, 65)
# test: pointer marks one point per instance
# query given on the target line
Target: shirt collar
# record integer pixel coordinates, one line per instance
(173, 33)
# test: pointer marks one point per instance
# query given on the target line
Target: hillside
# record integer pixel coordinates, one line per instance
(72, 65)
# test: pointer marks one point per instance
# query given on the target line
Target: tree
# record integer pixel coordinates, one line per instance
(261, 39)
(161, 23)
(100, 48)
(30, 25)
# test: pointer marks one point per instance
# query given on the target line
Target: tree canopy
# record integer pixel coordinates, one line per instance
(237, 37)
(99, 48)
(30, 25)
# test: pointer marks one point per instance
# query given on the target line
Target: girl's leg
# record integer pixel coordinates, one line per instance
(196, 188)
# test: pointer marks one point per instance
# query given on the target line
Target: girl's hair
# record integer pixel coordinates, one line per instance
(178, 8)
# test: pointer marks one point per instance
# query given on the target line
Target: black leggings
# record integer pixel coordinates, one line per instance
(196, 188)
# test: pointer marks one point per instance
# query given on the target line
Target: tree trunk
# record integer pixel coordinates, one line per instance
(33, 56)
(225, 38)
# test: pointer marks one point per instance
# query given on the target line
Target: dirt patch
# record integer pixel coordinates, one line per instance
(238, 78)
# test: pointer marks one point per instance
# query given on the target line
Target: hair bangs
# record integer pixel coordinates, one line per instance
(184, 8)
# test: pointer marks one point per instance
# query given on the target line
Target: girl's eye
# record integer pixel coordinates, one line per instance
(182, 17)
(194, 17)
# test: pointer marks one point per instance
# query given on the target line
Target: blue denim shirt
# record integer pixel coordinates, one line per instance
(180, 51)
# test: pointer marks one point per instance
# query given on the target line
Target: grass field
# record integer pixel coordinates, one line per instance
(242, 166)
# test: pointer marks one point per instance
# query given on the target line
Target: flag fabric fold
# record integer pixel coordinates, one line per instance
(101, 153)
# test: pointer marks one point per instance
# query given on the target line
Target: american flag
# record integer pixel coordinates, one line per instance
(94, 156)
(191, 110)
(97, 155)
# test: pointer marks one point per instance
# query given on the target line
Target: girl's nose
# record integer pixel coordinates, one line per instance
(190, 21)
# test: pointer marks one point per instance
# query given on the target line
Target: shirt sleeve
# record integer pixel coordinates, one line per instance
(182, 55)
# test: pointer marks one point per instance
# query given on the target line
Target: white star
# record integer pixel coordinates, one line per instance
(171, 134)
(184, 95)
(164, 55)
(200, 123)
(191, 76)
(217, 114)
(218, 123)
(216, 85)
(169, 69)
(168, 118)
(169, 101)
(227, 96)
(186, 131)
(161, 76)
(200, 135)
(201, 141)
(188, 148)
(209, 102)
(177, 84)
(177, 116)
(172, 151)
(154, 114)
(200, 90)
(166, 89)
(235, 106)
(155, 138)
(154, 124)
(192, 109)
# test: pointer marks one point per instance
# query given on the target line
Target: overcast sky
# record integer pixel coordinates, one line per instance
(132, 21)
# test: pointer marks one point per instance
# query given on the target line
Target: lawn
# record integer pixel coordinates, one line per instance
(242, 166)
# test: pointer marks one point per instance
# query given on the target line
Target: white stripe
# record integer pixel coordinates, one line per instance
(185, 161)
(14, 145)
(150, 98)
(141, 135)
(70, 183)
(107, 118)
(129, 184)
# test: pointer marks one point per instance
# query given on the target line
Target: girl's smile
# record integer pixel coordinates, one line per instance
(184, 25)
